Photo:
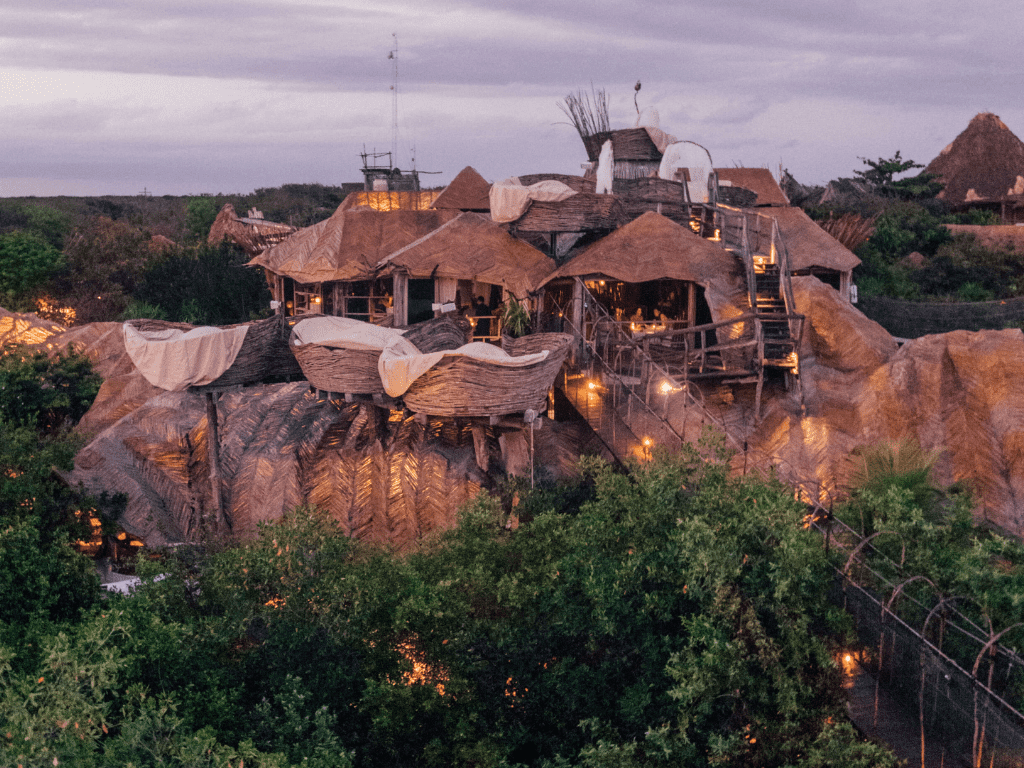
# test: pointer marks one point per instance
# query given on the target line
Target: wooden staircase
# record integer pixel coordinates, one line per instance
(770, 305)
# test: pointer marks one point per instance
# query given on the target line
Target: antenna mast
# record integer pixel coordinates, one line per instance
(393, 55)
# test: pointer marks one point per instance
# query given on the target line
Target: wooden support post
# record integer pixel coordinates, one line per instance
(213, 455)
(480, 445)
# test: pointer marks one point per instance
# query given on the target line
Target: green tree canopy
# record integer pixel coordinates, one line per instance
(27, 261)
(881, 177)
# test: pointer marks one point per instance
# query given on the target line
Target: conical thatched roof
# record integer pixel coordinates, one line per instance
(758, 180)
(348, 245)
(472, 247)
(469, 191)
(983, 163)
(653, 247)
(252, 235)
(808, 244)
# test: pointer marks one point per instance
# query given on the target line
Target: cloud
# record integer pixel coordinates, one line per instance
(195, 92)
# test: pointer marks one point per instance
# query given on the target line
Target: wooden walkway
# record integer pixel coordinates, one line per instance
(896, 726)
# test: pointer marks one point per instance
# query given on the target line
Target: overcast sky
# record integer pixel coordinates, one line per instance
(207, 96)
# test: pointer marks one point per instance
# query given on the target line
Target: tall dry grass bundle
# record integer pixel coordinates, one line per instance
(588, 115)
(851, 230)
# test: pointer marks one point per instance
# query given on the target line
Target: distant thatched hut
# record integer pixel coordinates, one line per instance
(252, 232)
(331, 267)
(983, 168)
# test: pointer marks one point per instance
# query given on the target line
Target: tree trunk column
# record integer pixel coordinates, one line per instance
(213, 455)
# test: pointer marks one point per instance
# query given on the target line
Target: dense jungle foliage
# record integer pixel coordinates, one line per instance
(911, 254)
(675, 616)
(81, 260)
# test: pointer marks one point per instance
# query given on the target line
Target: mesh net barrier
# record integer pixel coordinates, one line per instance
(922, 653)
(911, 319)
(969, 718)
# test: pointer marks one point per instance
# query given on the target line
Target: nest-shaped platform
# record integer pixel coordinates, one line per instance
(463, 386)
(263, 356)
(352, 368)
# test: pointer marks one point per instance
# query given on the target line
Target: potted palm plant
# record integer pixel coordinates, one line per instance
(514, 318)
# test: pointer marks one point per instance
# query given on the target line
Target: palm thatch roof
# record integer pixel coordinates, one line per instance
(808, 244)
(758, 180)
(469, 191)
(985, 163)
(350, 244)
(387, 478)
(253, 235)
(653, 247)
(472, 247)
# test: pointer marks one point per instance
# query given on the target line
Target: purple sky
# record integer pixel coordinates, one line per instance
(114, 96)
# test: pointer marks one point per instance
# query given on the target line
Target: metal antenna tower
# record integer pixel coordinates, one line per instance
(393, 55)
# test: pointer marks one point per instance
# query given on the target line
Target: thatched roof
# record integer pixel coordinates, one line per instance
(759, 180)
(583, 212)
(808, 244)
(469, 191)
(983, 163)
(349, 245)
(384, 480)
(997, 237)
(398, 200)
(254, 235)
(653, 247)
(472, 247)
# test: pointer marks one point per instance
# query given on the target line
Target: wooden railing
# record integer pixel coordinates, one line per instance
(629, 375)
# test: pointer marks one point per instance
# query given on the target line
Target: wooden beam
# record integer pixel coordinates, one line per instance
(213, 456)
(480, 445)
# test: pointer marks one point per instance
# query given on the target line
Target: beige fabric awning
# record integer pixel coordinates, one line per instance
(401, 363)
(344, 333)
(175, 360)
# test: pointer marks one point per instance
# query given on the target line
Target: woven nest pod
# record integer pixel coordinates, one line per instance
(627, 144)
(264, 353)
(353, 369)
